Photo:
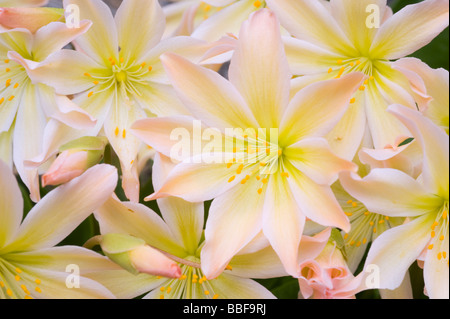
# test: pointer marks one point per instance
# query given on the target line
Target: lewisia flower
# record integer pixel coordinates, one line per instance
(179, 236)
(425, 201)
(430, 87)
(331, 39)
(117, 75)
(27, 107)
(327, 276)
(269, 184)
(30, 265)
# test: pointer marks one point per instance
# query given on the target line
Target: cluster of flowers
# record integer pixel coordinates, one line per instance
(338, 156)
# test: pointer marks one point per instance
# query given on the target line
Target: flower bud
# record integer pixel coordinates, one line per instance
(29, 18)
(75, 158)
(135, 256)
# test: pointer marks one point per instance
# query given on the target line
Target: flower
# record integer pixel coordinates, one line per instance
(327, 276)
(30, 265)
(116, 74)
(28, 110)
(331, 39)
(267, 184)
(424, 201)
(430, 87)
(178, 234)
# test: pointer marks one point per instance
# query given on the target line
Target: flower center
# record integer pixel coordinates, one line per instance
(256, 155)
(15, 283)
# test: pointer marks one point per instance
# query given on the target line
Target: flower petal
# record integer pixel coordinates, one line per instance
(435, 146)
(54, 36)
(389, 192)
(259, 68)
(393, 252)
(283, 223)
(233, 287)
(235, 218)
(410, 29)
(208, 95)
(316, 202)
(317, 114)
(11, 205)
(314, 157)
(185, 219)
(149, 20)
(313, 22)
(436, 272)
(63, 209)
(101, 41)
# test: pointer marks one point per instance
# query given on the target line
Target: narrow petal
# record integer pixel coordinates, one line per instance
(395, 250)
(352, 16)
(185, 219)
(410, 29)
(436, 272)
(62, 210)
(54, 36)
(11, 205)
(389, 192)
(307, 58)
(311, 247)
(28, 133)
(435, 146)
(346, 137)
(313, 22)
(283, 223)
(259, 68)
(196, 181)
(318, 113)
(208, 95)
(314, 157)
(101, 41)
(24, 3)
(149, 20)
(65, 70)
(317, 202)
(235, 218)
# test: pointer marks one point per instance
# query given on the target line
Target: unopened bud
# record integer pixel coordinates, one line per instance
(135, 256)
(76, 157)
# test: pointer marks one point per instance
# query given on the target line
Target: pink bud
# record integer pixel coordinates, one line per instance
(66, 167)
(150, 261)
(28, 18)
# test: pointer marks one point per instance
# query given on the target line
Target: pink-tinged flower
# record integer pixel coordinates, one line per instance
(267, 184)
(116, 74)
(327, 276)
(28, 109)
(430, 88)
(331, 39)
(178, 234)
(30, 264)
(209, 20)
(75, 158)
(425, 201)
(29, 18)
(23, 3)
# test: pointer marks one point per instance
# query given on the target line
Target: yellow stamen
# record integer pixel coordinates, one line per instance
(257, 4)
(116, 131)
(231, 179)
(90, 94)
(353, 100)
